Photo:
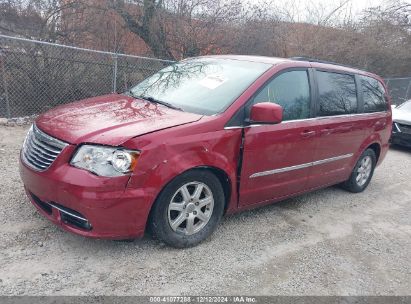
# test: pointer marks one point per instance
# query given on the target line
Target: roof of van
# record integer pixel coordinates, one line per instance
(262, 59)
(297, 61)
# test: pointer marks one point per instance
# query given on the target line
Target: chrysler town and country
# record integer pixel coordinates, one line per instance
(204, 137)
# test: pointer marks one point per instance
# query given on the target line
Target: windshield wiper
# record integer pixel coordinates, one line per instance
(152, 99)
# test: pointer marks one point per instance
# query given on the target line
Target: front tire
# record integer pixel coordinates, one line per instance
(362, 172)
(188, 209)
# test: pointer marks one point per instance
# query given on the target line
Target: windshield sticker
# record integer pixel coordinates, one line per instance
(212, 81)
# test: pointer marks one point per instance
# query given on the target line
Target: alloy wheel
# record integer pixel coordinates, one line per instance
(364, 171)
(190, 208)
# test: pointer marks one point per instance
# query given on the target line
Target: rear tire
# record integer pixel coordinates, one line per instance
(188, 209)
(362, 172)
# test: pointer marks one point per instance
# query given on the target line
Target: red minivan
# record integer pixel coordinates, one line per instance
(204, 137)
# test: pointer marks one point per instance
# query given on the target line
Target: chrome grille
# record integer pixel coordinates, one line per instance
(40, 150)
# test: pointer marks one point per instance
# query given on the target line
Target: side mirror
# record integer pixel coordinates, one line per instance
(266, 113)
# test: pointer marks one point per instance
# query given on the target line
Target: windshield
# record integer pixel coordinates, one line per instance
(406, 106)
(204, 86)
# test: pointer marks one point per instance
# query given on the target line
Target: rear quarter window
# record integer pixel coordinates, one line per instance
(373, 95)
(337, 94)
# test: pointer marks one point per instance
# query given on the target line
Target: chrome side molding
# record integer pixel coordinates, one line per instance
(301, 166)
(309, 119)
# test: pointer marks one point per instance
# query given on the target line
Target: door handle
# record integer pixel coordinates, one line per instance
(307, 133)
(380, 124)
(346, 128)
(326, 131)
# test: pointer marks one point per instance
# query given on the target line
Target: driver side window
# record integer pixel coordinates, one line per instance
(291, 90)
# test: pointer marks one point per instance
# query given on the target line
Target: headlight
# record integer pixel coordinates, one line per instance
(105, 161)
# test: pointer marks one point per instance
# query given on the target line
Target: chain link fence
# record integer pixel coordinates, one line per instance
(399, 89)
(36, 76)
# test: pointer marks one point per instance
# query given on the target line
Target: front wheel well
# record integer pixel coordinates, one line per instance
(219, 173)
(224, 180)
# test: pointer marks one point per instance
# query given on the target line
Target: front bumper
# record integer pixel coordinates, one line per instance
(86, 204)
(401, 138)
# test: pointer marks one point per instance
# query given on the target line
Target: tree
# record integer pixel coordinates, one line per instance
(387, 37)
(38, 19)
(176, 29)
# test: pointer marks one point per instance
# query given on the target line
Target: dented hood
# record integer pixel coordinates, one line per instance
(110, 119)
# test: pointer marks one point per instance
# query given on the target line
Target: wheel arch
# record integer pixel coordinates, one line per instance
(376, 147)
(373, 142)
(221, 175)
(224, 179)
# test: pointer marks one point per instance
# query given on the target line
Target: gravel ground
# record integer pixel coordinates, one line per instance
(328, 242)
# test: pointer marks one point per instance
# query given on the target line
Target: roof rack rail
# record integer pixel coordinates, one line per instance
(309, 59)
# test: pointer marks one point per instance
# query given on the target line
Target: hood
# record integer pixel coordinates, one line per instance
(110, 119)
(402, 117)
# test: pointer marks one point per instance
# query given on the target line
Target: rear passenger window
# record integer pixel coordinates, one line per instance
(337, 92)
(373, 95)
(291, 90)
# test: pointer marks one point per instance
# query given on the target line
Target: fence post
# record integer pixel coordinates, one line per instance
(6, 91)
(115, 73)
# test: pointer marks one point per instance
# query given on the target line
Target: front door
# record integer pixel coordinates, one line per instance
(277, 158)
